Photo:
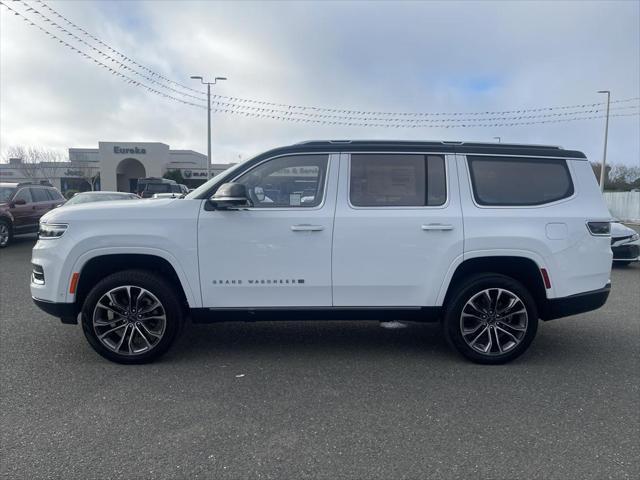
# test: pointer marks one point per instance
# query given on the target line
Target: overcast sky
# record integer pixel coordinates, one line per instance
(374, 56)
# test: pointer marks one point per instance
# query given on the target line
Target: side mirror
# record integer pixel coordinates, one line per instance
(20, 201)
(230, 196)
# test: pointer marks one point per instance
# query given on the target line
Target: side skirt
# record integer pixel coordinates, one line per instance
(270, 314)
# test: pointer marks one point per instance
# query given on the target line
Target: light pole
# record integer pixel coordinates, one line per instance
(498, 138)
(603, 168)
(208, 84)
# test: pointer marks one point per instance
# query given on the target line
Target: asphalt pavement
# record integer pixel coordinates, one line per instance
(325, 400)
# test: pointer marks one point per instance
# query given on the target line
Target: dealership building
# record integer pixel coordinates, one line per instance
(119, 165)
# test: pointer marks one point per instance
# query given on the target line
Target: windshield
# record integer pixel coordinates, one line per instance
(98, 197)
(5, 193)
(206, 185)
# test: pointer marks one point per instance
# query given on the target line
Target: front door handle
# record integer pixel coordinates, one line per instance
(437, 226)
(306, 228)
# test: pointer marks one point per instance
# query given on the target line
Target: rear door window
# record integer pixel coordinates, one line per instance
(396, 180)
(518, 181)
(39, 195)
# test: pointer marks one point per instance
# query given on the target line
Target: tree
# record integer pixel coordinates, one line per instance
(174, 175)
(36, 162)
(618, 177)
(87, 172)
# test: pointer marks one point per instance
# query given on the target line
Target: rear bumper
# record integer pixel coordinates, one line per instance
(575, 304)
(66, 312)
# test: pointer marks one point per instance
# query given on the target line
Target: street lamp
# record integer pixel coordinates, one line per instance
(603, 168)
(208, 84)
(498, 138)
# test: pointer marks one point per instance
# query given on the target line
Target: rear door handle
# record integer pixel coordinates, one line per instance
(437, 226)
(306, 228)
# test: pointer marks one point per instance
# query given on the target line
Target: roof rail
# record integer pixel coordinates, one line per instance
(45, 183)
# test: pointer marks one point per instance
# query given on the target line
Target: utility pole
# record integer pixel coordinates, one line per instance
(208, 84)
(603, 168)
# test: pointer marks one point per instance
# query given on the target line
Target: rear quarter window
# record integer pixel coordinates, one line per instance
(517, 181)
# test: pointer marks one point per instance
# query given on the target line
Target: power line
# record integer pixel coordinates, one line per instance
(106, 55)
(127, 78)
(423, 121)
(264, 113)
(113, 50)
(354, 114)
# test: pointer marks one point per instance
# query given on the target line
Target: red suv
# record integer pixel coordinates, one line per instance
(22, 205)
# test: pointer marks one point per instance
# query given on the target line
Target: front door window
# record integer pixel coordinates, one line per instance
(287, 182)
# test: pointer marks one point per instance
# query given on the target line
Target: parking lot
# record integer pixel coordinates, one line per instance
(319, 399)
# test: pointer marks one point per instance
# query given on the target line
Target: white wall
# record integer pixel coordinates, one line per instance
(154, 158)
(624, 205)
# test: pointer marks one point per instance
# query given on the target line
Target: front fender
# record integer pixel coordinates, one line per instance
(191, 290)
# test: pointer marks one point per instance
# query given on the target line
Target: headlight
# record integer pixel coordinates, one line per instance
(51, 230)
(635, 237)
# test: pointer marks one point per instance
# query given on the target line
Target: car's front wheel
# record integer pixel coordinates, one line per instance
(131, 316)
(491, 319)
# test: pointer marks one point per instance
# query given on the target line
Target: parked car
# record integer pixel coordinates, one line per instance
(100, 196)
(147, 187)
(22, 205)
(486, 238)
(625, 244)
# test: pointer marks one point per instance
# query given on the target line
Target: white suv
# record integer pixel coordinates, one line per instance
(486, 238)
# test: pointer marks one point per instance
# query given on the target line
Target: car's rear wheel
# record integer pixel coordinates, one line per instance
(491, 319)
(6, 233)
(131, 316)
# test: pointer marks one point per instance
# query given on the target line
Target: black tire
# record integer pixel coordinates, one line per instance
(152, 283)
(621, 263)
(463, 293)
(9, 229)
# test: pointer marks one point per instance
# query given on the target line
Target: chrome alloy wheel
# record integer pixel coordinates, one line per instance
(493, 321)
(4, 234)
(129, 320)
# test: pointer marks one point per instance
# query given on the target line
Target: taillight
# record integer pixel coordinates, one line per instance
(599, 228)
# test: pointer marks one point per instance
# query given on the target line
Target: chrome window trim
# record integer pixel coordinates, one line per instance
(519, 156)
(448, 157)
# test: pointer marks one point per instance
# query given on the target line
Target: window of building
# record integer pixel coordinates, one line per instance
(515, 181)
(292, 181)
(397, 180)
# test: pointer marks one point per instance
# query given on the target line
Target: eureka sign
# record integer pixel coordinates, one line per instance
(140, 151)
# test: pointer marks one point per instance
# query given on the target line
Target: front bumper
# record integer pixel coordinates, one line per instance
(67, 312)
(626, 253)
(575, 304)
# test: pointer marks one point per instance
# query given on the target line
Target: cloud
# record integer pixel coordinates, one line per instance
(415, 56)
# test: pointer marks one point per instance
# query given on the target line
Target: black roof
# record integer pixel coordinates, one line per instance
(515, 149)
